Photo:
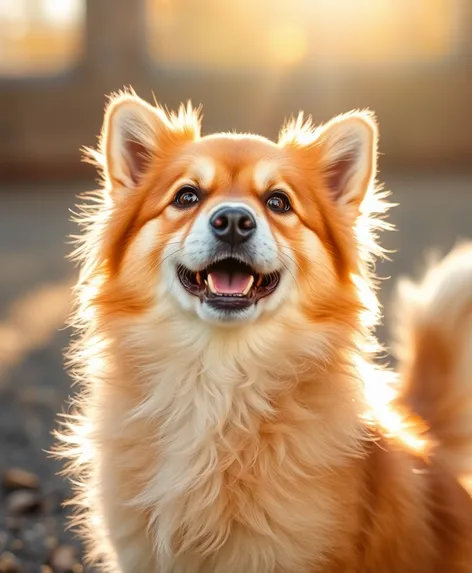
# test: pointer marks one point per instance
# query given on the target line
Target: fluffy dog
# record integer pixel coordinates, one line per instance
(225, 308)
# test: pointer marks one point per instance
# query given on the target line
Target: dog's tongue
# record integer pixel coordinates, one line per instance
(225, 283)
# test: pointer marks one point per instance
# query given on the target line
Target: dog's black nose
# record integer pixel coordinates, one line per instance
(233, 225)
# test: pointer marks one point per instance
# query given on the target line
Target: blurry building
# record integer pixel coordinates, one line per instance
(251, 63)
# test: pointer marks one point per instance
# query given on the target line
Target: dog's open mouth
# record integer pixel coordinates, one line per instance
(229, 284)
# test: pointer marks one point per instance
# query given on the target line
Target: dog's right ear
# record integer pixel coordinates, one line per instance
(134, 132)
(128, 140)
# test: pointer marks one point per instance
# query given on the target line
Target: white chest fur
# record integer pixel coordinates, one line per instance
(228, 467)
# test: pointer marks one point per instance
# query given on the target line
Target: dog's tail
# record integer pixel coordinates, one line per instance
(434, 349)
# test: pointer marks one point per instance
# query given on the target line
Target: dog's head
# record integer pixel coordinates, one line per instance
(230, 229)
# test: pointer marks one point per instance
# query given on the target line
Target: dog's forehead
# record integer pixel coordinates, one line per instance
(244, 162)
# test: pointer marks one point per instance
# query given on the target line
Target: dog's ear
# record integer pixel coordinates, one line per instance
(134, 132)
(129, 139)
(348, 145)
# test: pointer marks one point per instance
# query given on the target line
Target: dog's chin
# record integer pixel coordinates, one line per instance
(224, 317)
(228, 291)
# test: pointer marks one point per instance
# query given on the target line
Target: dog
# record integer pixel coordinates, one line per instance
(232, 416)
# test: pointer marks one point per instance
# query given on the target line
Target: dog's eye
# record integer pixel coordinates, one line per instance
(279, 202)
(187, 196)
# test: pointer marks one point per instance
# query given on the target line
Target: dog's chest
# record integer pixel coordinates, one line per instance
(220, 513)
(228, 480)
(230, 492)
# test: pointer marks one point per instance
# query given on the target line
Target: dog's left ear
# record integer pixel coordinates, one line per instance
(348, 145)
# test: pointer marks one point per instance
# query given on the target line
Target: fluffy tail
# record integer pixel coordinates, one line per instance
(434, 349)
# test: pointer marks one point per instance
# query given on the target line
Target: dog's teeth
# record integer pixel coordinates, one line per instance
(211, 286)
(248, 286)
(259, 280)
(198, 277)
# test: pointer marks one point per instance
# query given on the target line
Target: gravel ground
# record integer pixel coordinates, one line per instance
(435, 210)
(35, 282)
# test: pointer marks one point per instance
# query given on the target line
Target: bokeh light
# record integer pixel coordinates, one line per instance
(46, 36)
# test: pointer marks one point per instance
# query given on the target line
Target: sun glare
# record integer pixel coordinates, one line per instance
(62, 12)
(221, 33)
(41, 36)
(380, 392)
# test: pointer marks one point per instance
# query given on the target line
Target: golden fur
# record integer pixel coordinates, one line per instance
(252, 448)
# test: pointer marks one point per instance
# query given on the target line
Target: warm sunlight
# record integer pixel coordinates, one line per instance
(319, 32)
(380, 393)
(40, 37)
(32, 321)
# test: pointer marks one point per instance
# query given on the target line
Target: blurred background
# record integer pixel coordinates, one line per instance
(251, 63)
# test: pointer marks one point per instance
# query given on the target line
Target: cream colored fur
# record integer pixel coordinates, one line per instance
(433, 320)
(186, 401)
(200, 446)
